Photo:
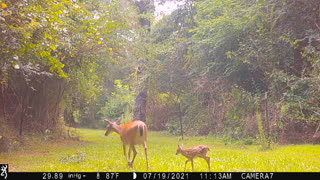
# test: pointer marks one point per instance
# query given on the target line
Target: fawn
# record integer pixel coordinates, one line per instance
(197, 151)
(132, 133)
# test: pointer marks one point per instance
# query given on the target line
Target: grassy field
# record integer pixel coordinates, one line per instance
(96, 152)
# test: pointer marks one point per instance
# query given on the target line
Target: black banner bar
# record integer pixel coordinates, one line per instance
(158, 175)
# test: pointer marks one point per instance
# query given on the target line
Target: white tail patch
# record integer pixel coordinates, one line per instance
(141, 130)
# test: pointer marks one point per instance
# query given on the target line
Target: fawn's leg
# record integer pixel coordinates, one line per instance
(207, 158)
(192, 164)
(146, 153)
(185, 165)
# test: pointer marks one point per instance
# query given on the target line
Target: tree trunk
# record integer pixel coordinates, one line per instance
(56, 108)
(267, 119)
(180, 119)
(92, 112)
(3, 103)
(141, 105)
(68, 116)
(24, 105)
(144, 6)
(22, 115)
(4, 144)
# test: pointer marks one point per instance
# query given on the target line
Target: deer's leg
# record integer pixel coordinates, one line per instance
(192, 164)
(185, 165)
(129, 154)
(134, 155)
(207, 158)
(125, 153)
(146, 153)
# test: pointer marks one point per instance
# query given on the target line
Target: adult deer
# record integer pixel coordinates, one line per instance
(197, 151)
(132, 133)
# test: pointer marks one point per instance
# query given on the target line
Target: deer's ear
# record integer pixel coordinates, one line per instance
(107, 122)
(118, 121)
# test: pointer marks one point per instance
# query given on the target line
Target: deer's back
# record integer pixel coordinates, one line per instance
(134, 133)
(197, 151)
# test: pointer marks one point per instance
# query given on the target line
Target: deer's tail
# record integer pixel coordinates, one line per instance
(141, 130)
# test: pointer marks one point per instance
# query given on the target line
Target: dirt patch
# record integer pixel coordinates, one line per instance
(69, 141)
(37, 153)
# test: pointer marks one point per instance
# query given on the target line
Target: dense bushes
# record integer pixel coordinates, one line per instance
(249, 68)
(238, 69)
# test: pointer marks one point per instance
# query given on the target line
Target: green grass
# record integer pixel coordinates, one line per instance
(96, 152)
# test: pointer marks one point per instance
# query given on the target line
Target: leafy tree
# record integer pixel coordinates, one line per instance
(120, 104)
(58, 51)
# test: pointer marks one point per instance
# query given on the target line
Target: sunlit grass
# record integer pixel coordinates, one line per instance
(96, 152)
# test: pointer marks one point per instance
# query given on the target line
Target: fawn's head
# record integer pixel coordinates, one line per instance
(111, 126)
(180, 148)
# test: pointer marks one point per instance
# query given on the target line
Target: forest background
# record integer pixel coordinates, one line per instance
(240, 70)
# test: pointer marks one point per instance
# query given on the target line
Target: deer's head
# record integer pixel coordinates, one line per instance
(112, 126)
(180, 148)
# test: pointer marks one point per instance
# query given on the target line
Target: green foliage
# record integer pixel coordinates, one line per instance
(120, 103)
(226, 55)
(207, 65)
(262, 136)
(82, 43)
(242, 107)
(223, 27)
(173, 127)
